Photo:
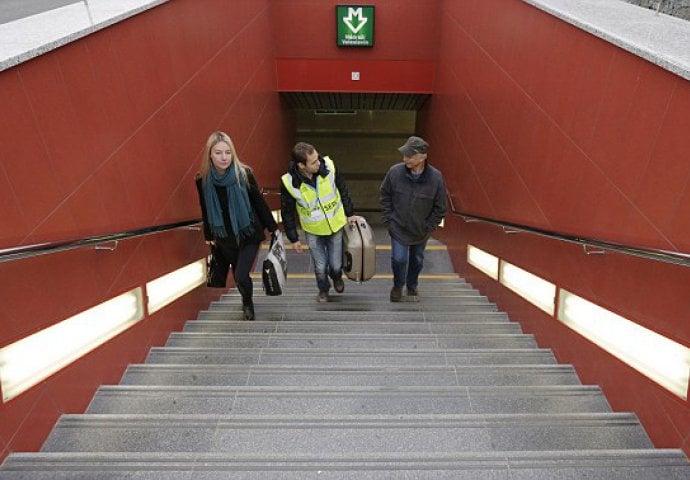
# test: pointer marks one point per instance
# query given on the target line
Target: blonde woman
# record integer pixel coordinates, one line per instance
(234, 212)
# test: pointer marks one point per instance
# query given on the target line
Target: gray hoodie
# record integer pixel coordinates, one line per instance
(412, 208)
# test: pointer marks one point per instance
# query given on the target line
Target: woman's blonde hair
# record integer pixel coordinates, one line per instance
(206, 164)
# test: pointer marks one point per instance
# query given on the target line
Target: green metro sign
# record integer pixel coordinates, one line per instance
(355, 25)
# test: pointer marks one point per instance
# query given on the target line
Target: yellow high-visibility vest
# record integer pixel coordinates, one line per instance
(320, 210)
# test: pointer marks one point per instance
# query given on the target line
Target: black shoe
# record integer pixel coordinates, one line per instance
(412, 292)
(339, 285)
(396, 294)
(248, 311)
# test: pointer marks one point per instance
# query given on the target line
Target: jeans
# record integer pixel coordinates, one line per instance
(327, 253)
(407, 262)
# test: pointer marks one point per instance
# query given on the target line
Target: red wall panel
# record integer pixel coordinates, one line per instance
(105, 134)
(306, 75)
(405, 30)
(536, 122)
(401, 60)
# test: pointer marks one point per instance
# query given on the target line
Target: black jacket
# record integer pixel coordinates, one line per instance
(288, 203)
(412, 208)
(261, 214)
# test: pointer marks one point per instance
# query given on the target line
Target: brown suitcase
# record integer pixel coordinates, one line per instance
(359, 251)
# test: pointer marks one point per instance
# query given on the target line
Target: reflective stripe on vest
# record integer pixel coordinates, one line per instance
(320, 209)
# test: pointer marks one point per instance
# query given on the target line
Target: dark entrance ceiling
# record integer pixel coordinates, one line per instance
(354, 101)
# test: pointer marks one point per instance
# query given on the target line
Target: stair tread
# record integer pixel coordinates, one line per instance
(349, 434)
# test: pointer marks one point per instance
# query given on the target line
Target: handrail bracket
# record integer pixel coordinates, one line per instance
(111, 245)
(587, 250)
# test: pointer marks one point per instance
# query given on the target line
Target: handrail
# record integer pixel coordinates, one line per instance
(677, 258)
(26, 251)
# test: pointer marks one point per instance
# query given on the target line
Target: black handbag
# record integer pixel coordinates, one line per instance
(214, 270)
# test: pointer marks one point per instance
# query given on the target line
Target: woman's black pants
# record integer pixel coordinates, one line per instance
(241, 259)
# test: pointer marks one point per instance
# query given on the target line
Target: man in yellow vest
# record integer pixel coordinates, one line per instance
(313, 192)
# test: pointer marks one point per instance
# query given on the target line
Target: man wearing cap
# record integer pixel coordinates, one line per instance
(413, 199)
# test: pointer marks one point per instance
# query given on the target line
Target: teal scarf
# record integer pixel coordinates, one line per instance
(238, 204)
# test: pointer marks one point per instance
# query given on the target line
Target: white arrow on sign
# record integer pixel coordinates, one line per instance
(358, 14)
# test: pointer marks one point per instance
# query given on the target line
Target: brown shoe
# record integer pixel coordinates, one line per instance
(322, 297)
(412, 292)
(396, 294)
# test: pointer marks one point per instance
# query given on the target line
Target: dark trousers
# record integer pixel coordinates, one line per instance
(241, 259)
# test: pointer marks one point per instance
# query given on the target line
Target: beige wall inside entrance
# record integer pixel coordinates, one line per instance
(362, 143)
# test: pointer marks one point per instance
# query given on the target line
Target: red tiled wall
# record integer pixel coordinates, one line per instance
(405, 30)
(308, 58)
(103, 135)
(536, 122)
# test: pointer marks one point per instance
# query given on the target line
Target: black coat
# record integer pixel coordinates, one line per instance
(261, 214)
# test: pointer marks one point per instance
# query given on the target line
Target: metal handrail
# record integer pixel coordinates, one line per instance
(26, 251)
(666, 256)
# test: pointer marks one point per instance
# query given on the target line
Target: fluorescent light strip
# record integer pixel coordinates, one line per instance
(483, 261)
(32, 359)
(655, 356)
(277, 216)
(532, 288)
(168, 288)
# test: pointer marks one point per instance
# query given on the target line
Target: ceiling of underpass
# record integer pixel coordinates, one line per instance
(354, 101)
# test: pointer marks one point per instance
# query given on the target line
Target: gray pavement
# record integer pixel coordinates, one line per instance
(11, 10)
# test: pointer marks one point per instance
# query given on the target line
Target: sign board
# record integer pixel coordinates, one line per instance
(355, 25)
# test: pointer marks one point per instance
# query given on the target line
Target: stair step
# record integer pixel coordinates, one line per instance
(324, 340)
(364, 296)
(347, 400)
(640, 464)
(335, 309)
(359, 327)
(235, 314)
(348, 357)
(271, 375)
(352, 302)
(357, 434)
(297, 280)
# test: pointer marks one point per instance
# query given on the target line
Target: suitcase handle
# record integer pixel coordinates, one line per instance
(348, 262)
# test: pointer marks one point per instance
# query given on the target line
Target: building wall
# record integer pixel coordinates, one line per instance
(308, 58)
(103, 135)
(536, 122)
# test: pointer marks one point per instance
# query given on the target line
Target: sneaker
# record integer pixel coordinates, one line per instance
(322, 297)
(339, 285)
(396, 294)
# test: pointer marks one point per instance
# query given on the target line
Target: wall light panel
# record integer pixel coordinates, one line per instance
(32, 359)
(532, 288)
(168, 288)
(483, 261)
(655, 356)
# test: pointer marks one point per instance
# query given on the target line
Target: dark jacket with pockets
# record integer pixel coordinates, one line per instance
(412, 208)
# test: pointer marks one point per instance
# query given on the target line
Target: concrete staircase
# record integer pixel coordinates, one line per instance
(358, 388)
